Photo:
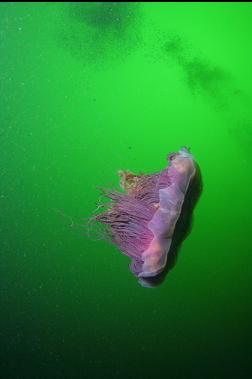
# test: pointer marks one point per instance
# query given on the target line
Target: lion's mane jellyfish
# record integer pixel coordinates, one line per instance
(141, 221)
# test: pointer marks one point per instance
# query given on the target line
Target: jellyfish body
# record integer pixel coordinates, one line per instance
(142, 221)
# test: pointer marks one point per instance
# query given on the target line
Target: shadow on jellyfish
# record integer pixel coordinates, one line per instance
(149, 220)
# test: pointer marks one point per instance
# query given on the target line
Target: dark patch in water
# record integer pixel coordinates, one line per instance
(200, 75)
(98, 31)
(204, 78)
(174, 48)
(105, 16)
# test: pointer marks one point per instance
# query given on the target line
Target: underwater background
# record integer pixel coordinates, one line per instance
(90, 88)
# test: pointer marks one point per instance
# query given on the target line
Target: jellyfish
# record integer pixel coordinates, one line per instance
(141, 221)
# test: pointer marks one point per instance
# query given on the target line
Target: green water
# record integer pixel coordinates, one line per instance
(87, 89)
